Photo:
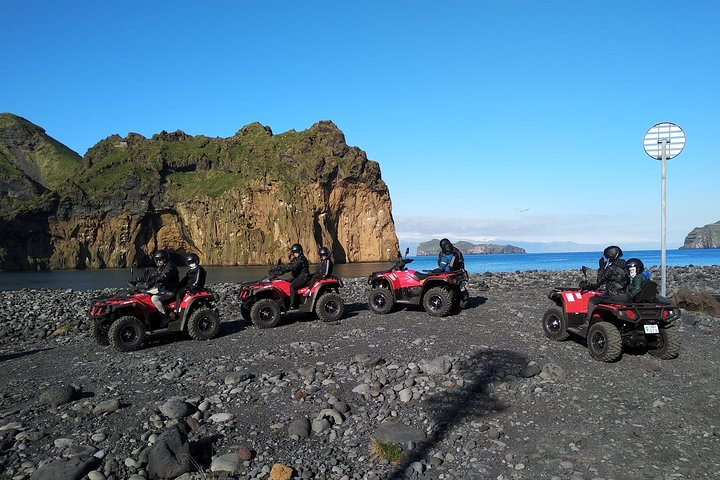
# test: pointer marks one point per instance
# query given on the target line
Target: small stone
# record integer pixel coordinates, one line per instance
(108, 406)
(245, 454)
(230, 462)
(281, 472)
(175, 408)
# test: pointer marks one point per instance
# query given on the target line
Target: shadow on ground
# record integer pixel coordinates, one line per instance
(12, 356)
(473, 401)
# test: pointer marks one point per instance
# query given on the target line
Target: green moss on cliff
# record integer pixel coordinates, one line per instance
(34, 153)
(185, 186)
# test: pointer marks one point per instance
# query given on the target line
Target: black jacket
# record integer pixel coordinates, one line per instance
(194, 279)
(614, 277)
(297, 266)
(324, 269)
(164, 278)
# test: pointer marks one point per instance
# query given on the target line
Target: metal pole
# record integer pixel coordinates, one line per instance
(663, 267)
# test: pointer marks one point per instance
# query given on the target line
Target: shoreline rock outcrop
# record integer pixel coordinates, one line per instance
(707, 236)
(241, 200)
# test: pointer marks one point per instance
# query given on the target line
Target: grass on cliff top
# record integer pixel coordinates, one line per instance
(55, 162)
(58, 163)
(185, 186)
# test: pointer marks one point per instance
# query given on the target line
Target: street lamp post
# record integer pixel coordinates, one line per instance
(663, 141)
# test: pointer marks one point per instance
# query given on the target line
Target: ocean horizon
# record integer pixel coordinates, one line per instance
(474, 263)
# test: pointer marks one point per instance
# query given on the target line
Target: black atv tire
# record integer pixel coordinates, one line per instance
(555, 324)
(381, 300)
(245, 313)
(203, 324)
(668, 344)
(438, 301)
(604, 342)
(100, 332)
(464, 300)
(330, 307)
(265, 313)
(126, 334)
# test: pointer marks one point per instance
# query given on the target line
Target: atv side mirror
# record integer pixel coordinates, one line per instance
(407, 251)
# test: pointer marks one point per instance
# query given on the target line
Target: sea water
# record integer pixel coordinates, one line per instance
(117, 278)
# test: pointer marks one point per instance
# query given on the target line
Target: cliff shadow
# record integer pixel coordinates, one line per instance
(473, 401)
(339, 254)
(27, 242)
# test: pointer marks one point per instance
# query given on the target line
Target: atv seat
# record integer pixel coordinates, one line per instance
(647, 293)
(420, 276)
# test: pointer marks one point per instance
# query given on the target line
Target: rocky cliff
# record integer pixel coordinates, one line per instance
(235, 201)
(703, 237)
(432, 247)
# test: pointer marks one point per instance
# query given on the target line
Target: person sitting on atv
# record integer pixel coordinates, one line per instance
(163, 282)
(325, 267)
(635, 269)
(193, 281)
(611, 274)
(450, 257)
(299, 267)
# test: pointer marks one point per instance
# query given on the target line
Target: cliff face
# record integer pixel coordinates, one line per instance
(432, 247)
(235, 201)
(703, 237)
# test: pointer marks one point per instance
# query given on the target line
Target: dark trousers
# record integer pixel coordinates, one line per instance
(295, 285)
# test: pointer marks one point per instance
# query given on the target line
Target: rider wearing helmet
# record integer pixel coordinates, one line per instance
(164, 281)
(635, 270)
(613, 275)
(299, 267)
(193, 281)
(325, 267)
(450, 257)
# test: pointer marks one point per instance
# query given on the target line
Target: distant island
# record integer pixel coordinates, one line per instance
(432, 247)
(703, 237)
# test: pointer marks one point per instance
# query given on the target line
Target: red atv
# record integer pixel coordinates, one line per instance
(263, 302)
(438, 292)
(123, 320)
(647, 322)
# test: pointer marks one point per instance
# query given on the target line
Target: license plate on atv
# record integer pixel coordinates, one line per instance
(651, 329)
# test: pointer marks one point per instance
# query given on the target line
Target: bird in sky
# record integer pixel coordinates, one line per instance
(522, 210)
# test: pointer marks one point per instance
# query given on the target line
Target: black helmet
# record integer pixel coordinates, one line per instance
(612, 253)
(296, 248)
(635, 262)
(191, 258)
(161, 255)
(446, 245)
(324, 252)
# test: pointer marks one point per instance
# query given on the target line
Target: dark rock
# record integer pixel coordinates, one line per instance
(299, 427)
(57, 395)
(170, 456)
(73, 468)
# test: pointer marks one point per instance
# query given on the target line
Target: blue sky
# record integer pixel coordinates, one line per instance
(492, 121)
